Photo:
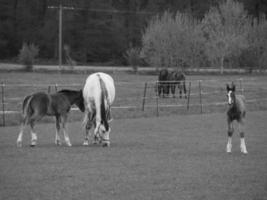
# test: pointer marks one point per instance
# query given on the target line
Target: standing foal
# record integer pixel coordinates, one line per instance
(236, 111)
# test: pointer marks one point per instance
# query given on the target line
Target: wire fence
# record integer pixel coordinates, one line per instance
(142, 99)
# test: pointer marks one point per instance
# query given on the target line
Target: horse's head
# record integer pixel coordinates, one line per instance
(230, 93)
(80, 101)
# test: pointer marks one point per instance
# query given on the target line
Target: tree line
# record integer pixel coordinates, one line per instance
(98, 31)
(226, 36)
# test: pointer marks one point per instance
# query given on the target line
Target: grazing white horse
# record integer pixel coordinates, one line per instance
(99, 94)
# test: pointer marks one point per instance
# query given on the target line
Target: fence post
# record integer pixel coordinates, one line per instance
(188, 97)
(49, 89)
(3, 103)
(144, 97)
(200, 96)
(157, 101)
(56, 87)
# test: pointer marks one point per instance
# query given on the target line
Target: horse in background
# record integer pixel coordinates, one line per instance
(236, 111)
(162, 84)
(177, 78)
(38, 105)
(99, 94)
(167, 82)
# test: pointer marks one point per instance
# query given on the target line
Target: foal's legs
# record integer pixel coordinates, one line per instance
(89, 119)
(242, 137)
(57, 139)
(33, 134)
(66, 135)
(230, 133)
(22, 127)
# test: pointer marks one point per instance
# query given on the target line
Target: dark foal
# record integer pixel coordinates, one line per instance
(235, 112)
(40, 104)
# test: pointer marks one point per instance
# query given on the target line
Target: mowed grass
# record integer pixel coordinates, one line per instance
(130, 91)
(177, 157)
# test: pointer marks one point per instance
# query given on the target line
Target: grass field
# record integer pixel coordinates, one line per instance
(177, 157)
(130, 91)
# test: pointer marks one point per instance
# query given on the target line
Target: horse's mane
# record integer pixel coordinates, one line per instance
(68, 91)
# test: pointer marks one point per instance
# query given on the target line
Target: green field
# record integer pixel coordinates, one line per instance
(130, 92)
(177, 157)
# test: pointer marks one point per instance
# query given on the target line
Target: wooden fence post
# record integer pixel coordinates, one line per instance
(3, 103)
(144, 97)
(200, 96)
(157, 101)
(188, 97)
(49, 89)
(56, 86)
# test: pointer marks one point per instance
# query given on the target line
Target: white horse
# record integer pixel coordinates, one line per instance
(99, 94)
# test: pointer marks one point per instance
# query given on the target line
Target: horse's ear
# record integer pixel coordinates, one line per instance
(227, 87)
(233, 88)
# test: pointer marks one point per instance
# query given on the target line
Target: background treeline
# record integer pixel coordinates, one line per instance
(226, 36)
(112, 31)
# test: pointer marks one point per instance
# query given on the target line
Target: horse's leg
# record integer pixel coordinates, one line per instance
(96, 131)
(33, 134)
(86, 138)
(184, 86)
(243, 147)
(173, 89)
(57, 139)
(22, 127)
(230, 133)
(180, 90)
(105, 138)
(66, 135)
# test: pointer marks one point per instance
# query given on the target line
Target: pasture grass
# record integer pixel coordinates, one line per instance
(176, 157)
(130, 91)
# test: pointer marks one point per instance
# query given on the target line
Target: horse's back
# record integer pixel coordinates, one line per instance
(92, 86)
(59, 104)
(38, 102)
(163, 75)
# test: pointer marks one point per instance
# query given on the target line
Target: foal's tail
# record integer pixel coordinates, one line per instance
(26, 109)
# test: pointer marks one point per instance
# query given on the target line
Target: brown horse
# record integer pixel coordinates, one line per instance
(177, 78)
(236, 111)
(162, 84)
(40, 104)
(167, 82)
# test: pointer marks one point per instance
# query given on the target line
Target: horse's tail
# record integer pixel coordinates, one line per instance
(26, 108)
(102, 104)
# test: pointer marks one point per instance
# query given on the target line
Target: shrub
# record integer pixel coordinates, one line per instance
(27, 55)
(173, 41)
(132, 56)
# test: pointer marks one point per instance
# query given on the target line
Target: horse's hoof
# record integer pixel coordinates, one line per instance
(106, 144)
(69, 144)
(244, 152)
(58, 143)
(19, 144)
(85, 143)
(33, 143)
